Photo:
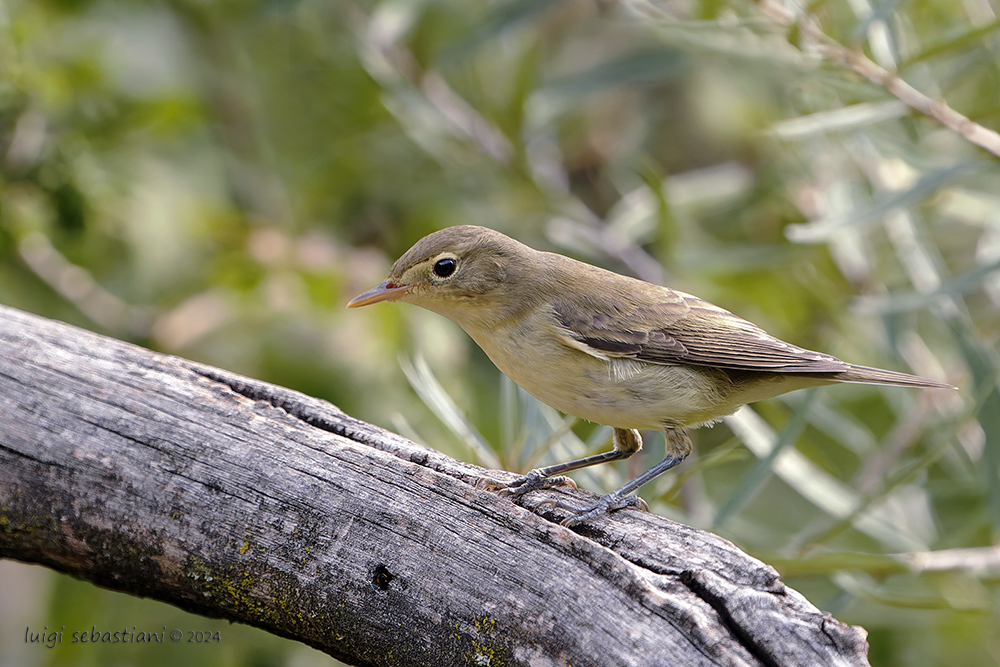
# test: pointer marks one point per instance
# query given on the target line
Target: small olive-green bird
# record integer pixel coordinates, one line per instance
(605, 347)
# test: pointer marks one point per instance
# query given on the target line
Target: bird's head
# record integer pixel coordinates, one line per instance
(460, 272)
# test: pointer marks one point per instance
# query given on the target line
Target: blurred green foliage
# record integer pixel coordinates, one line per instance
(216, 179)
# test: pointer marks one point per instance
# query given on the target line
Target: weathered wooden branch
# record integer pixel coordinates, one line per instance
(233, 498)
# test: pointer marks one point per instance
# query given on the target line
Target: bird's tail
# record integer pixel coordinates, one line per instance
(868, 375)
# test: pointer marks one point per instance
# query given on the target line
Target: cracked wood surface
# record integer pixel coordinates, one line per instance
(230, 497)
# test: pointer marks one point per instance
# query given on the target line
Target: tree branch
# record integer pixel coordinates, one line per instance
(233, 498)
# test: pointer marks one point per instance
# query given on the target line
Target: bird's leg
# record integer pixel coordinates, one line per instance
(678, 447)
(626, 443)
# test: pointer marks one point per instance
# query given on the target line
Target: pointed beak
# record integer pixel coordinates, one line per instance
(384, 291)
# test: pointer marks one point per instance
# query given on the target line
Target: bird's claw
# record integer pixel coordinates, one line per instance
(606, 505)
(533, 481)
(487, 484)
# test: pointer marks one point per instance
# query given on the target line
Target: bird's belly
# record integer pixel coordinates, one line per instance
(621, 393)
(652, 397)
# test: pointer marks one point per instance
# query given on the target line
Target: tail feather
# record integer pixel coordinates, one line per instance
(868, 375)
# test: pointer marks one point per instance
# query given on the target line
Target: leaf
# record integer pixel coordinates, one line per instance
(754, 481)
(502, 18)
(974, 38)
(984, 364)
(818, 487)
(839, 120)
(430, 391)
(898, 303)
(640, 67)
(821, 230)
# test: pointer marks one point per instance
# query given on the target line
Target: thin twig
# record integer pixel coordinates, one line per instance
(835, 52)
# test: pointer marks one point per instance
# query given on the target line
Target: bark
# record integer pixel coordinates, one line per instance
(233, 498)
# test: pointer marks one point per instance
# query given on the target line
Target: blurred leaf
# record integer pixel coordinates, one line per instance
(434, 396)
(752, 482)
(822, 230)
(833, 497)
(730, 452)
(502, 17)
(982, 562)
(968, 39)
(881, 13)
(833, 562)
(667, 225)
(641, 67)
(866, 588)
(984, 364)
(747, 41)
(839, 120)
(874, 507)
(956, 286)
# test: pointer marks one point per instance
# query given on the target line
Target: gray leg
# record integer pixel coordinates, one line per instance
(626, 443)
(678, 447)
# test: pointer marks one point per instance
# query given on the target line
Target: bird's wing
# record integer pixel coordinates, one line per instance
(669, 327)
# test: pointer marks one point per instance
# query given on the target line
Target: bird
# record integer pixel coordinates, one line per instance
(605, 347)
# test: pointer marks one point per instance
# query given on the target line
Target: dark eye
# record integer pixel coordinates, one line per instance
(444, 267)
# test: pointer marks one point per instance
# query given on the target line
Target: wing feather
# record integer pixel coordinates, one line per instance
(670, 328)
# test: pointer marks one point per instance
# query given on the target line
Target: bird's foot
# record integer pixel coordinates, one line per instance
(606, 505)
(533, 481)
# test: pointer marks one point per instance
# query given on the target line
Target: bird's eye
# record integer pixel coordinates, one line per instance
(444, 267)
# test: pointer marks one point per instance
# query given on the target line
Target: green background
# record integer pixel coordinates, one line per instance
(216, 179)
